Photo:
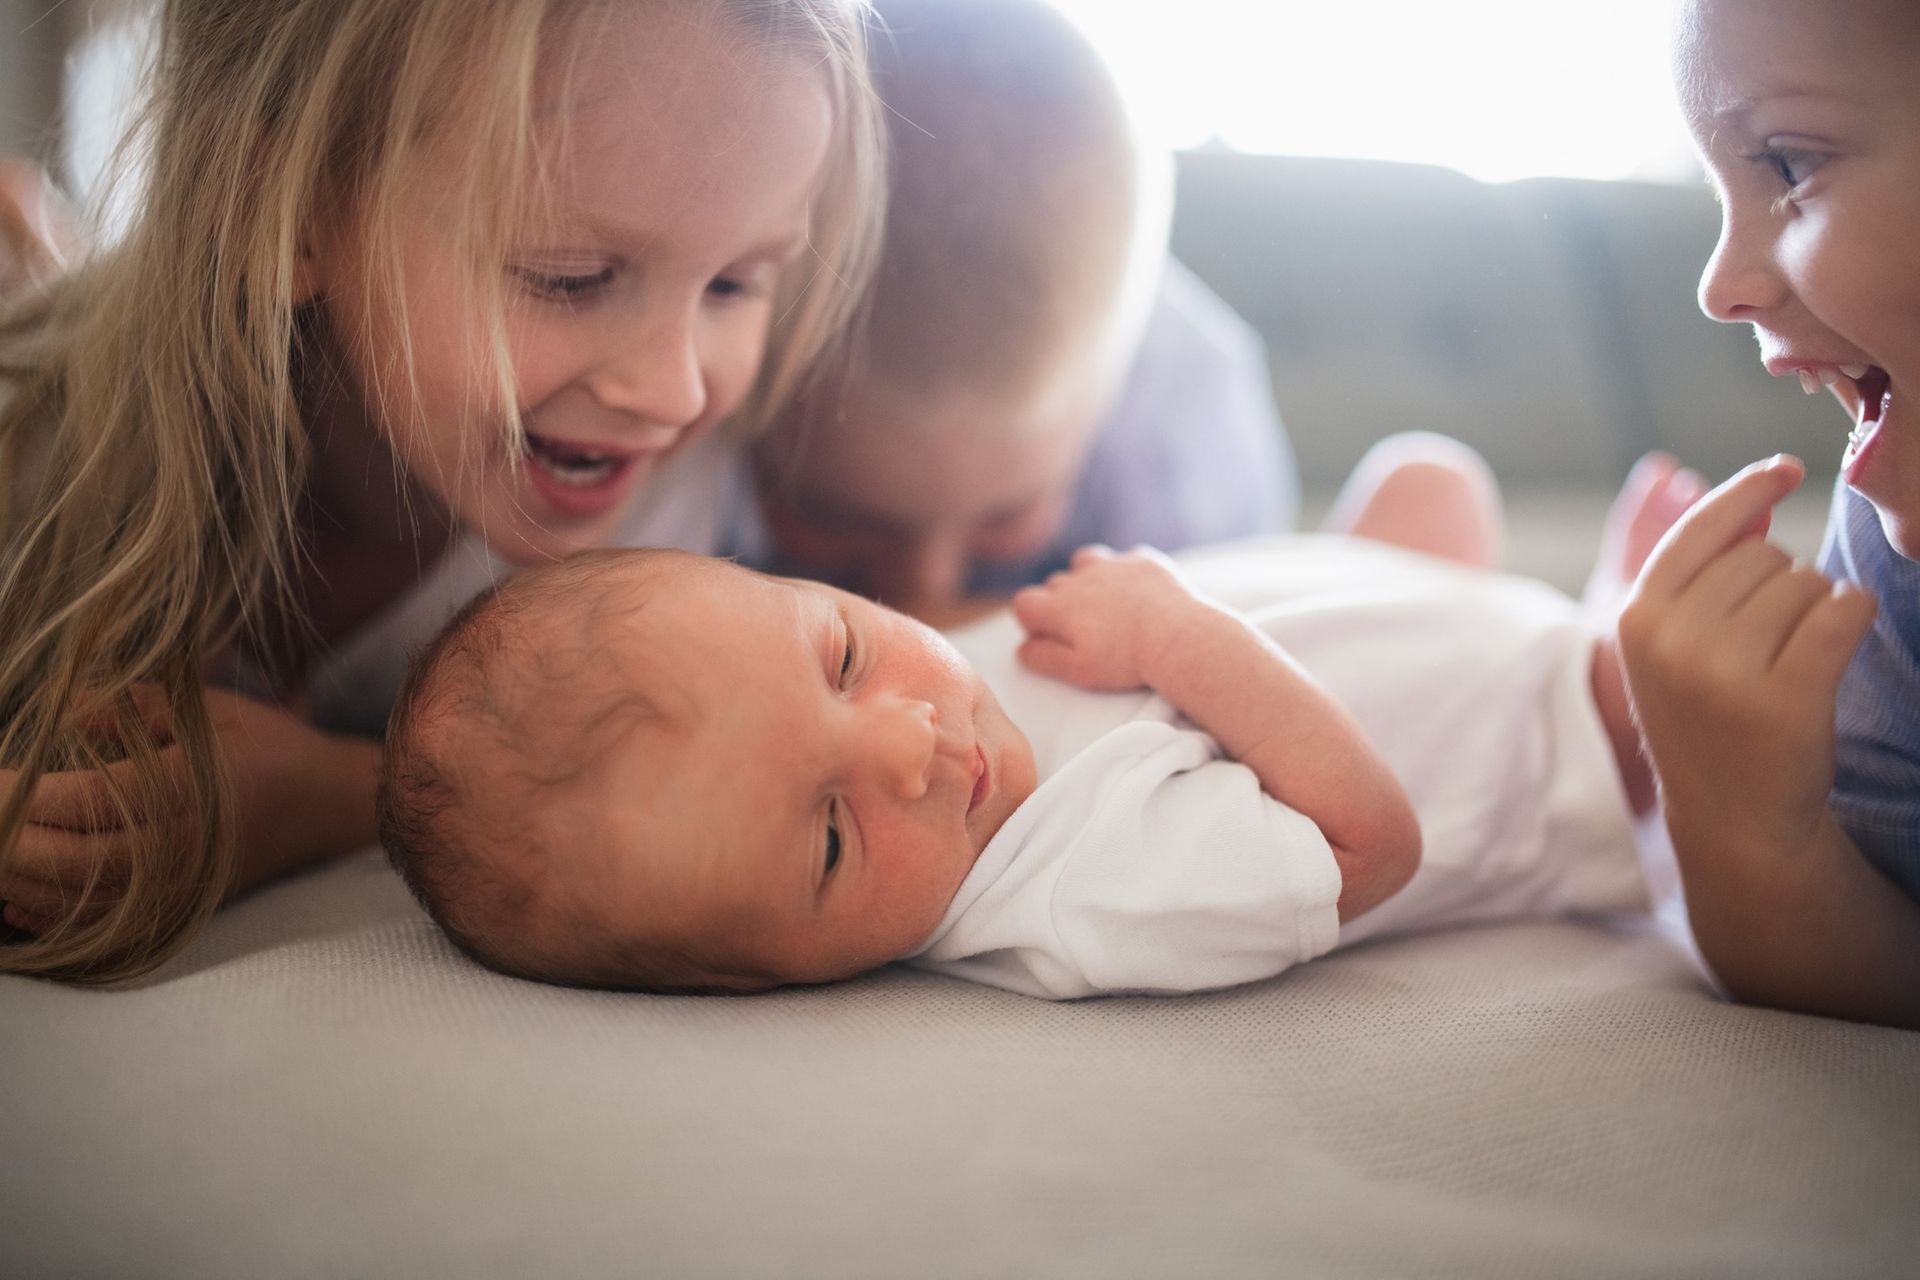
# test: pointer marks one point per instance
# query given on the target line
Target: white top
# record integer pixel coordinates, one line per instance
(1145, 861)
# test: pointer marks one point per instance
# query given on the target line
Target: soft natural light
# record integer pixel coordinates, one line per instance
(1499, 89)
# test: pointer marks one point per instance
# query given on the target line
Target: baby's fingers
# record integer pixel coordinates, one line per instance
(1048, 656)
(1092, 553)
(1040, 610)
(1818, 651)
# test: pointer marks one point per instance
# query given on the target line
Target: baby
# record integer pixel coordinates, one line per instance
(1032, 372)
(651, 770)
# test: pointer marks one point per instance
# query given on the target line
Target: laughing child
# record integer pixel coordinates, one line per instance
(1797, 830)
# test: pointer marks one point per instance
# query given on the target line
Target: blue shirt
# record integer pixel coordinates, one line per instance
(1876, 792)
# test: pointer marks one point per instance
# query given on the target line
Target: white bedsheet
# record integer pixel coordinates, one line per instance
(321, 1087)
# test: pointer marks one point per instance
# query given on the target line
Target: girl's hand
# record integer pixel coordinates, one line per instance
(1105, 622)
(1734, 654)
(299, 795)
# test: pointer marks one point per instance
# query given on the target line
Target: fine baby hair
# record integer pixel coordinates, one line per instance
(478, 832)
(154, 438)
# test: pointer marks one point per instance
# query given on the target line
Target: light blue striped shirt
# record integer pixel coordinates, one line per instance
(1876, 793)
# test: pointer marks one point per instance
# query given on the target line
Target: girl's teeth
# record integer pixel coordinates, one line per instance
(1854, 371)
(1809, 383)
(1829, 376)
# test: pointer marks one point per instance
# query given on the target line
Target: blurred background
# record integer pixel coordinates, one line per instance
(1480, 217)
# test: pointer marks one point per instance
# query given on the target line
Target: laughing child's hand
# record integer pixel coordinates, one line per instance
(1734, 653)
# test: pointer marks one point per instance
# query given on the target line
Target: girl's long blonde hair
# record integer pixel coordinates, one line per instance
(152, 456)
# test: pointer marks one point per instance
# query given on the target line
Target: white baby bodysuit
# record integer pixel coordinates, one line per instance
(1145, 861)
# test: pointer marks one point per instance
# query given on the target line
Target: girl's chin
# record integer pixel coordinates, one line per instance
(525, 544)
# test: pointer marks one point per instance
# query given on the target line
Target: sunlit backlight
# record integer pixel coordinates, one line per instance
(1499, 89)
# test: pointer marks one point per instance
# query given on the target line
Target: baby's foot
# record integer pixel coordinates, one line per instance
(1657, 493)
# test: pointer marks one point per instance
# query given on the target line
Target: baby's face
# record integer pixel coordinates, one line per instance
(900, 496)
(832, 771)
(1807, 113)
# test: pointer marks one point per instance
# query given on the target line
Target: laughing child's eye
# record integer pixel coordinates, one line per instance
(1792, 165)
(846, 659)
(833, 838)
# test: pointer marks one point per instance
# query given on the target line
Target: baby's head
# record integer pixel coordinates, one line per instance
(1807, 113)
(1026, 231)
(652, 770)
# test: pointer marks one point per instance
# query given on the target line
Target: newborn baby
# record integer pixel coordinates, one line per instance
(651, 770)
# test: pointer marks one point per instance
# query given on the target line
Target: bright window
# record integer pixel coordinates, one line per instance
(1500, 89)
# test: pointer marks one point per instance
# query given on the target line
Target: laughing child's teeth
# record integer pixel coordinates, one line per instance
(1809, 383)
(1854, 371)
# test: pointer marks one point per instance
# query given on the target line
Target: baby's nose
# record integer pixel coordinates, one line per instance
(905, 737)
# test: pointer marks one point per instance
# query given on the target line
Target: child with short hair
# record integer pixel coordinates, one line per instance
(1798, 832)
(658, 771)
(409, 285)
(1032, 371)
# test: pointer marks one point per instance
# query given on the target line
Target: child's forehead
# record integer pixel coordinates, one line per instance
(1736, 51)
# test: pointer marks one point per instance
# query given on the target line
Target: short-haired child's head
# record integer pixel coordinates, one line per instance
(659, 771)
(1026, 232)
(1807, 113)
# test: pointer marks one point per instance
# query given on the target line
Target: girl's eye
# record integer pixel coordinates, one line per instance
(1792, 165)
(562, 288)
(725, 287)
(833, 838)
(846, 659)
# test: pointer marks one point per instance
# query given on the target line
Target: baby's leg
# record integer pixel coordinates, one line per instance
(1616, 716)
(1428, 493)
(1658, 492)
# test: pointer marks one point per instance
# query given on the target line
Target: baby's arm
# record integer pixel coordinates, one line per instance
(1122, 621)
(1734, 655)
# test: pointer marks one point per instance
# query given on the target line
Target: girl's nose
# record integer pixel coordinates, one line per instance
(1740, 282)
(901, 735)
(651, 371)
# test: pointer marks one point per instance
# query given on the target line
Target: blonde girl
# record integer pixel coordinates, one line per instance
(400, 268)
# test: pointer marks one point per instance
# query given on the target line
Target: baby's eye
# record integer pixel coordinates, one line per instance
(833, 839)
(846, 659)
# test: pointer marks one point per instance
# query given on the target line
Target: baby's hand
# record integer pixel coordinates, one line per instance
(1106, 622)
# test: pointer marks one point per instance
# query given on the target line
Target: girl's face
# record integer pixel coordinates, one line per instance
(1807, 113)
(677, 172)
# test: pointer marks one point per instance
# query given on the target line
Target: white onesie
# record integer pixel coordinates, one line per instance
(1146, 861)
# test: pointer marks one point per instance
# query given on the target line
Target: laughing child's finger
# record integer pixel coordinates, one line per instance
(1728, 515)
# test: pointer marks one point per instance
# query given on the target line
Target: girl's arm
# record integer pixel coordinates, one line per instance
(300, 797)
(1734, 655)
(1123, 621)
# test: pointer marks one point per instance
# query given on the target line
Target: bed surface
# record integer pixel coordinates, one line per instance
(321, 1086)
